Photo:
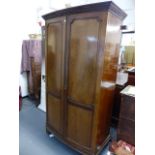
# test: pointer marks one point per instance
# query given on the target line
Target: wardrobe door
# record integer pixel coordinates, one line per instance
(82, 72)
(54, 72)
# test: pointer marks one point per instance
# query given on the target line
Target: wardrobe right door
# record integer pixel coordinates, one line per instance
(82, 70)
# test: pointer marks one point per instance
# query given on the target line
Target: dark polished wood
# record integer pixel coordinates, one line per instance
(116, 105)
(79, 125)
(104, 6)
(83, 53)
(86, 106)
(131, 78)
(126, 125)
(82, 49)
(54, 56)
(108, 77)
(54, 113)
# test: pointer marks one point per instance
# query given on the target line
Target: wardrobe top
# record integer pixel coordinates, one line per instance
(103, 6)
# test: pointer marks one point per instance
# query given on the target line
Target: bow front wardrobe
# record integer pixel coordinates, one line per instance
(82, 49)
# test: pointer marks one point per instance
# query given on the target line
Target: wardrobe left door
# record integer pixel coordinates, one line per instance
(55, 37)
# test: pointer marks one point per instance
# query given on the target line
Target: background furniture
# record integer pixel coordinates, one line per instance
(122, 79)
(36, 79)
(126, 125)
(116, 105)
(31, 63)
(131, 77)
(82, 48)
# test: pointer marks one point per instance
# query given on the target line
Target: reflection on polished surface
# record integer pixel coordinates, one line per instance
(83, 52)
(107, 84)
(112, 28)
(92, 39)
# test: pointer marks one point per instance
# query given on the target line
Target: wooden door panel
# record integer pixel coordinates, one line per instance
(82, 60)
(54, 56)
(54, 112)
(79, 125)
(54, 71)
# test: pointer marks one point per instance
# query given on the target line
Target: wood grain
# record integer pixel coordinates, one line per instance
(108, 76)
(54, 56)
(82, 60)
(79, 125)
(81, 65)
(54, 113)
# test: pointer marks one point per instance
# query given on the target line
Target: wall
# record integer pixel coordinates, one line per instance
(29, 24)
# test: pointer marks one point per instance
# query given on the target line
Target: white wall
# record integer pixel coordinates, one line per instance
(29, 25)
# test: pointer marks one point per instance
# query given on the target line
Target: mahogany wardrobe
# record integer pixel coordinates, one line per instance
(82, 49)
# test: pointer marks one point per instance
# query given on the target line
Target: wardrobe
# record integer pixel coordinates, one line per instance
(82, 49)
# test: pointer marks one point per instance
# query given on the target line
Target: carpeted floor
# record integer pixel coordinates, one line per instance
(33, 139)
